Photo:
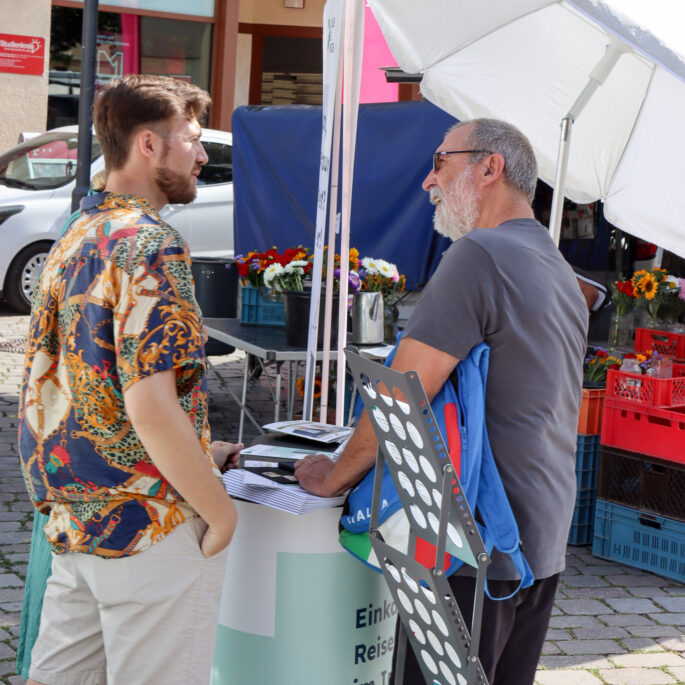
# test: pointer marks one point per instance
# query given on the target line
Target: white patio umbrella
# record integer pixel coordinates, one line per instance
(614, 67)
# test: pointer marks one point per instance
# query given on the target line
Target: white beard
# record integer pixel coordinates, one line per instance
(457, 211)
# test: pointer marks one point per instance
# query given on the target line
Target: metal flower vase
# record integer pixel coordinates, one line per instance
(367, 318)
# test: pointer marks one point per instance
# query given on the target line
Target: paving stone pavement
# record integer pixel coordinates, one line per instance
(611, 624)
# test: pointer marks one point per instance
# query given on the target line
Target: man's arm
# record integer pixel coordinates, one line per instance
(320, 476)
(172, 443)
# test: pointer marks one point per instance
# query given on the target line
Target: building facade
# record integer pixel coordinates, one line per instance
(232, 48)
(23, 96)
(242, 51)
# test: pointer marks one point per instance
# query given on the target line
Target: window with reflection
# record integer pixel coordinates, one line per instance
(126, 44)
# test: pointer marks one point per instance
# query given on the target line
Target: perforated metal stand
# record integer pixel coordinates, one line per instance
(411, 445)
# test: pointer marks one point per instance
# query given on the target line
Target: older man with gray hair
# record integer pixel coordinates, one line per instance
(505, 283)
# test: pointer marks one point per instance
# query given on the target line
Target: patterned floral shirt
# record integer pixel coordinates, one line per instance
(115, 304)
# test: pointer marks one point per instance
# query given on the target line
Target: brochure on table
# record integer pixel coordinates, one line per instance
(266, 473)
(311, 430)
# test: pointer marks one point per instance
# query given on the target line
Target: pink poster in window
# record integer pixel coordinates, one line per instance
(130, 37)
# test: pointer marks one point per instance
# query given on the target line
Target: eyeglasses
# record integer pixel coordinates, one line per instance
(438, 155)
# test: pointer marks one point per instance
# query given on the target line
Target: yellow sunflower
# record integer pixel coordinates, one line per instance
(317, 387)
(637, 277)
(648, 286)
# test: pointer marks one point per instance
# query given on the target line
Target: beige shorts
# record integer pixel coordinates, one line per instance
(146, 619)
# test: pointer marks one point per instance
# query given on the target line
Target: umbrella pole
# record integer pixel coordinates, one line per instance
(560, 179)
(597, 77)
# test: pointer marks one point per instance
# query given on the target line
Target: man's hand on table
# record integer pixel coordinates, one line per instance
(226, 454)
(312, 473)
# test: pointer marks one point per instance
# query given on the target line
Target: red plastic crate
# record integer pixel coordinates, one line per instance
(590, 416)
(663, 342)
(656, 392)
(654, 431)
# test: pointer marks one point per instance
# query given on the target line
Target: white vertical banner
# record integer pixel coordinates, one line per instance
(333, 230)
(352, 69)
(332, 35)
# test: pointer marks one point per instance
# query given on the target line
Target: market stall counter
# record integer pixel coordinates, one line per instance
(299, 610)
(268, 346)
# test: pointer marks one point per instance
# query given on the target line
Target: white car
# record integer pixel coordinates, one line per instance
(37, 178)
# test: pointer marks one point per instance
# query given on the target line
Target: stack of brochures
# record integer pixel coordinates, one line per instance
(267, 473)
(263, 490)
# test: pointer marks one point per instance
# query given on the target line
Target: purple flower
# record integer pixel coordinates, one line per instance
(354, 281)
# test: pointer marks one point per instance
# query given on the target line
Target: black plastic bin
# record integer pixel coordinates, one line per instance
(216, 291)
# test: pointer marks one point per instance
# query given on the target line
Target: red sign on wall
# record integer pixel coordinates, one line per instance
(22, 54)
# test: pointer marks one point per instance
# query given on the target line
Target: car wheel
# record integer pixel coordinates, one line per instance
(22, 276)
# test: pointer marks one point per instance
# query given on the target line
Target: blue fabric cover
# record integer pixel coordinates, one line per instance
(276, 152)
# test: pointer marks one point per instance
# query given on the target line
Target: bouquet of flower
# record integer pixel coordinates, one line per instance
(623, 296)
(654, 290)
(644, 359)
(280, 278)
(253, 267)
(377, 275)
(597, 364)
(678, 296)
(354, 282)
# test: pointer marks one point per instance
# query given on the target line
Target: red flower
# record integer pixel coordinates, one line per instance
(288, 256)
(626, 287)
(601, 354)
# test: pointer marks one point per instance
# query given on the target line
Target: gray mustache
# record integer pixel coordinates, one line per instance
(435, 195)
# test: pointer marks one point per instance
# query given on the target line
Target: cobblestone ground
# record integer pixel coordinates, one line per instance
(611, 624)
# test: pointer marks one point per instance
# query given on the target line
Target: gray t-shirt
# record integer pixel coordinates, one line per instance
(510, 287)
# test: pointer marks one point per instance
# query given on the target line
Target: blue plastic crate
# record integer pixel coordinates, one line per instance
(587, 461)
(583, 518)
(639, 539)
(587, 466)
(256, 309)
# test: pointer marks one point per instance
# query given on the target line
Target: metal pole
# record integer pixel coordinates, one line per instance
(599, 74)
(85, 104)
(560, 180)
